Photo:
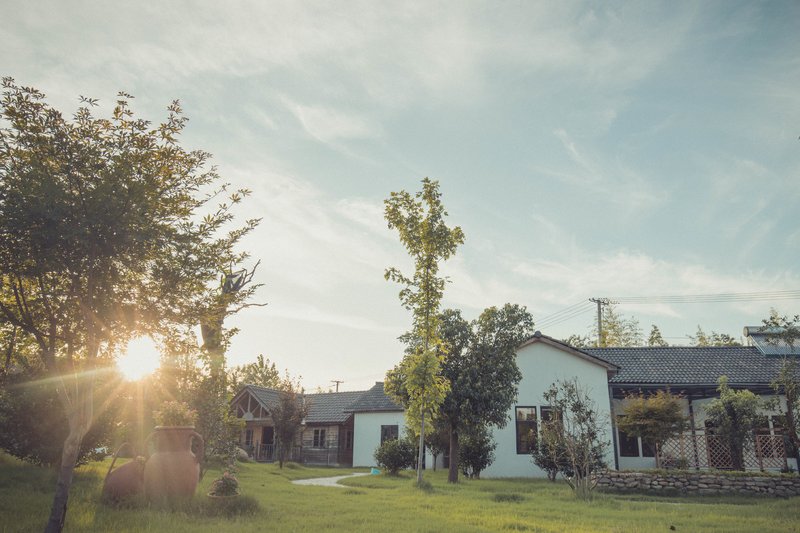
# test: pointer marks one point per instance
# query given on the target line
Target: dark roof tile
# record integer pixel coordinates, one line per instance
(690, 365)
(375, 399)
(326, 407)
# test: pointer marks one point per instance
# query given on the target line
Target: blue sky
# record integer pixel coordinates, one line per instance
(586, 149)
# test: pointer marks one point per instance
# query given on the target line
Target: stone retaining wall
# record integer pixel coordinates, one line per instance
(699, 483)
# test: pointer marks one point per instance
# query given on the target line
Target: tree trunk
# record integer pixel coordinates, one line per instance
(421, 455)
(69, 457)
(452, 473)
(79, 416)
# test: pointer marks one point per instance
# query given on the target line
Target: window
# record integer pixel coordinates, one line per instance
(319, 438)
(389, 432)
(348, 439)
(547, 413)
(526, 428)
(248, 437)
(648, 449)
(628, 445)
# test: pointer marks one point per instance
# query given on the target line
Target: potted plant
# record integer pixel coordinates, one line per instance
(226, 486)
(173, 471)
(175, 414)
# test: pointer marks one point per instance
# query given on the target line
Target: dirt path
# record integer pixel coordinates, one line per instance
(327, 481)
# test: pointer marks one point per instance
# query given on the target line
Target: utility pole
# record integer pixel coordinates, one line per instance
(600, 303)
(337, 381)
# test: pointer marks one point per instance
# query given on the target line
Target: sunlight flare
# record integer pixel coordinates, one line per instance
(140, 359)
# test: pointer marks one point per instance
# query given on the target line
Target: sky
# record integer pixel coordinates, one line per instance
(586, 149)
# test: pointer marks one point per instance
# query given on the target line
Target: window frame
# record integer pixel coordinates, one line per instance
(389, 432)
(523, 447)
(318, 438)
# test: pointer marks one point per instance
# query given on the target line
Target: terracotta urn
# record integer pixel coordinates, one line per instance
(173, 471)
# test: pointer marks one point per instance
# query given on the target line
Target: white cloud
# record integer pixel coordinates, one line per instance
(599, 175)
(329, 125)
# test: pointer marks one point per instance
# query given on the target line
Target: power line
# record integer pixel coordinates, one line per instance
(579, 308)
(712, 298)
(560, 313)
(565, 314)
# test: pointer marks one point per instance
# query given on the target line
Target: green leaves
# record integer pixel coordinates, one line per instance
(419, 221)
(655, 418)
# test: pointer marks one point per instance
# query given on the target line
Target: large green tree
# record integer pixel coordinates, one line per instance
(107, 231)
(420, 223)
(480, 365)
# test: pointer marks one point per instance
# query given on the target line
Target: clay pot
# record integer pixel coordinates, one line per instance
(125, 481)
(173, 470)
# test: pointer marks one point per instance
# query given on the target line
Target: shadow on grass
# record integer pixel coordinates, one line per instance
(199, 506)
(690, 499)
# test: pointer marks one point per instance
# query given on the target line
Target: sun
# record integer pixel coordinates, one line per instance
(140, 359)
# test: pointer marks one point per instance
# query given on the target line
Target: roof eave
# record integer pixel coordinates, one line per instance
(539, 337)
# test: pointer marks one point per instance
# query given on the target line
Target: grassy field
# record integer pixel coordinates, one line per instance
(380, 503)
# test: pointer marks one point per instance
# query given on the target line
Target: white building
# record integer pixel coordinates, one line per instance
(362, 420)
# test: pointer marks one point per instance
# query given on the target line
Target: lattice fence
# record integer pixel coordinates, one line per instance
(703, 450)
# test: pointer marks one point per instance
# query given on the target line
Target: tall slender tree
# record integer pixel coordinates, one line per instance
(420, 223)
(102, 237)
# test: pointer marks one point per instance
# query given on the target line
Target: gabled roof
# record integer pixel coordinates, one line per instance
(330, 406)
(327, 407)
(690, 365)
(578, 352)
(375, 399)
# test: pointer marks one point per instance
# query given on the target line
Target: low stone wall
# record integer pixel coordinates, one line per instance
(699, 483)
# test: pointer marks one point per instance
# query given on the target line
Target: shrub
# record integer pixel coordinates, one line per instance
(395, 454)
(655, 418)
(225, 485)
(548, 451)
(476, 452)
(577, 427)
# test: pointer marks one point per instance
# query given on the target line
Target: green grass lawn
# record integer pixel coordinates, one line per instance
(381, 503)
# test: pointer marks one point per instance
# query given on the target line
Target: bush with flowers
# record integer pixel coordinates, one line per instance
(226, 485)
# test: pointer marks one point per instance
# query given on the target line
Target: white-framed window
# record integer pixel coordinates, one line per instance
(319, 438)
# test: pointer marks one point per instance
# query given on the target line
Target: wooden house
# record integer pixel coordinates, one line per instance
(326, 436)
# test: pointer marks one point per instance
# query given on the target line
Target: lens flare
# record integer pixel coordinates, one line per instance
(140, 359)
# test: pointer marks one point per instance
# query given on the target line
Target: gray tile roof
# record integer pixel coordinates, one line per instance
(267, 397)
(685, 365)
(330, 406)
(327, 407)
(374, 400)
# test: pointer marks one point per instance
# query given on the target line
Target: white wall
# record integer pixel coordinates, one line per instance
(367, 434)
(541, 365)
